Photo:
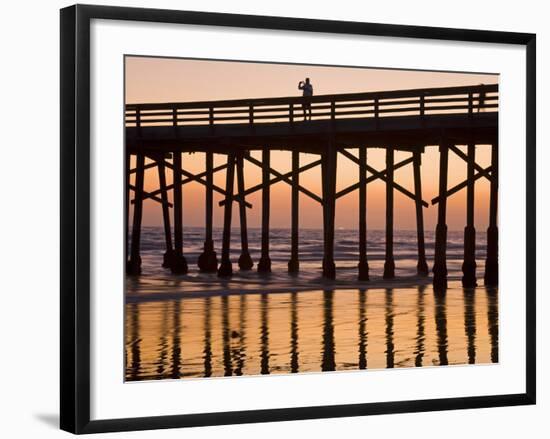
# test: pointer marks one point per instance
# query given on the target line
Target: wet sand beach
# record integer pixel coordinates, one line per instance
(198, 325)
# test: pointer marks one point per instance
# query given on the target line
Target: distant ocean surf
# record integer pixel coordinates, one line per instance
(311, 255)
(311, 247)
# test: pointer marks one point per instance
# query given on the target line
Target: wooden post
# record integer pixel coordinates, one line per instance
(329, 204)
(208, 261)
(440, 262)
(264, 266)
(363, 264)
(389, 264)
(169, 254)
(422, 266)
(245, 261)
(134, 265)
(469, 264)
(179, 263)
(294, 264)
(127, 211)
(491, 264)
(225, 269)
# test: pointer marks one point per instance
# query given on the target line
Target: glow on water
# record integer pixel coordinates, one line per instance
(310, 331)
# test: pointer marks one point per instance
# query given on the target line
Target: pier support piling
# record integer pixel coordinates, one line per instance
(491, 263)
(422, 266)
(389, 264)
(293, 263)
(169, 253)
(226, 269)
(208, 261)
(179, 263)
(329, 211)
(469, 264)
(440, 257)
(363, 264)
(127, 207)
(245, 261)
(264, 265)
(134, 264)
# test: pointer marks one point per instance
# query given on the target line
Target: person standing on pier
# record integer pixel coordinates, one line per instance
(307, 93)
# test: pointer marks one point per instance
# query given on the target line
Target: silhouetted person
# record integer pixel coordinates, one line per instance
(481, 99)
(307, 93)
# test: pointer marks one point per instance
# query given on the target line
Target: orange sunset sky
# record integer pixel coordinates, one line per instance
(180, 80)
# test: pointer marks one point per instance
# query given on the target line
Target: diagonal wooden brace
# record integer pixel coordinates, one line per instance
(198, 179)
(462, 185)
(186, 180)
(148, 195)
(372, 178)
(214, 187)
(274, 180)
(190, 178)
(147, 166)
(287, 180)
(381, 175)
(396, 186)
(464, 157)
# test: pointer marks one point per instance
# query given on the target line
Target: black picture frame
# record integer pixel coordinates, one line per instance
(75, 217)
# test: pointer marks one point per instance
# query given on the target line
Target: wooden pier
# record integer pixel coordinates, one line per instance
(397, 121)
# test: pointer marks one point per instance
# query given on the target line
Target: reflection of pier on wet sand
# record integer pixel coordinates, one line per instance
(330, 330)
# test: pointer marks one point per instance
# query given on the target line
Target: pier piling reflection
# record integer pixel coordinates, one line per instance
(310, 331)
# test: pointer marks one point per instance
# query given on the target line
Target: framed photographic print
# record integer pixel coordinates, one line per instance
(269, 218)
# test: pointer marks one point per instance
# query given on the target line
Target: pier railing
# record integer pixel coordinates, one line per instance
(420, 102)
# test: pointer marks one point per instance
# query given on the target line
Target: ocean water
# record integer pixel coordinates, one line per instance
(198, 325)
(311, 249)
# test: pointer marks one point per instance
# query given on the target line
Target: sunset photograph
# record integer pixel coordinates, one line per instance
(288, 218)
(307, 217)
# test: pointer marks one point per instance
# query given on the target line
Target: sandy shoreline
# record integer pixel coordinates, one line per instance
(146, 289)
